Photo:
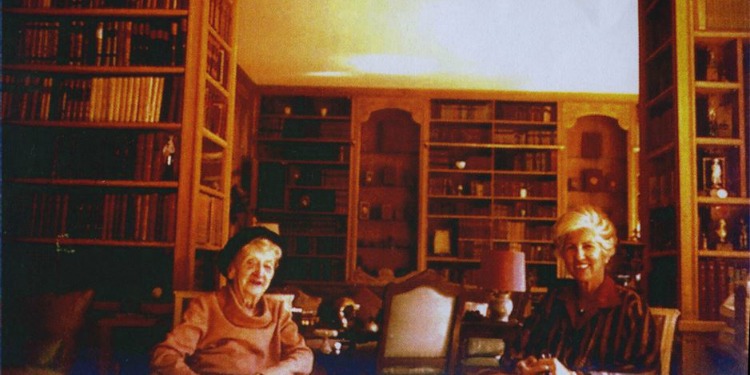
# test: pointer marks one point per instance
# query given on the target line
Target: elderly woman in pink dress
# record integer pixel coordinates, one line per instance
(237, 330)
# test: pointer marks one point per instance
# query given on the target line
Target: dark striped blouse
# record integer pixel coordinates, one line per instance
(617, 336)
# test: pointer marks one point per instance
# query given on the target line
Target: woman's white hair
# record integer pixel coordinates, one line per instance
(586, 217)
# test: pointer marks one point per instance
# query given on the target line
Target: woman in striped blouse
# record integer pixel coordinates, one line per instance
(591, 324)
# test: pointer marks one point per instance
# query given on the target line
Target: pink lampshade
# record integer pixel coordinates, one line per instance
(503, 270)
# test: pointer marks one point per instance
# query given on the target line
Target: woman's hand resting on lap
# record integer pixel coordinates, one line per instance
(533, 365)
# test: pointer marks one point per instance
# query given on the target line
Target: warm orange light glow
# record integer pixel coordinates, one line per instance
(393, 64)
(533, 45)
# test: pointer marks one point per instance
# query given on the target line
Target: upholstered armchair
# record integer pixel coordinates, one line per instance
(40, 333)
(420, 326)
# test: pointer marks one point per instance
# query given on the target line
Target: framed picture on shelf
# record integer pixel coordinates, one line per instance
(442, 242)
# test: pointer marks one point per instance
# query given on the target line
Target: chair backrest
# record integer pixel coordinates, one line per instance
(666, 322)
(420, 325)
(181, 300)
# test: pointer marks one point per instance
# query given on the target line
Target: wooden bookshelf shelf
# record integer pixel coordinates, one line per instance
(95, 13)
(743, 254)
(92, 242)
(104, 130)
(96, 70)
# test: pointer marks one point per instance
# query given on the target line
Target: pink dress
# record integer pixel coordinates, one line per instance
(217, 336)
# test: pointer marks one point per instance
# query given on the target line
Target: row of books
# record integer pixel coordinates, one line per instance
(659, 74)
(152, 216)
(120, 99)
(217, 61)
(503, 188)
(108, 216)
(460, 134)
(478, 111)
(525, 112)
(529, 161)
(436, 207)
(473, 229)
(658, 32)
(220, 17)
(525, 209)
(159, 42)
(715, 279)
(216, 112)
(304, 128)
(75, 4)
(482, 111)
(661, 127)
(523, 189)
(661, 187)
(209, 226)
(312, 269)
(95, 155)
(520, 231)
(447, 186)
(498, 136)
(472, 249)
(529, 137)
(126, 99)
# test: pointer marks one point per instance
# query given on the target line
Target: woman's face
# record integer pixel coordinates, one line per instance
(252, 270)
(584, 257)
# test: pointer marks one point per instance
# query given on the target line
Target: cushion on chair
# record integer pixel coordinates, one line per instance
(43, 333)
(430, 319)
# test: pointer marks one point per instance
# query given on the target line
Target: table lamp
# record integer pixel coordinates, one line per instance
(503, 272)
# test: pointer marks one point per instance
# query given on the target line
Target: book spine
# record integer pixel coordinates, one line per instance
(703, 288)
(712, 300)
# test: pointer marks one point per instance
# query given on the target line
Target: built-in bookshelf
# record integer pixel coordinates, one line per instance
(694, 157)
(211, 160)
(99, 147)
(388, 193)
(694, 193)
(303, 163)
(492, 183)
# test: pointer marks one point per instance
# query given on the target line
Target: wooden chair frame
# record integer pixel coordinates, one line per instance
(666, 329)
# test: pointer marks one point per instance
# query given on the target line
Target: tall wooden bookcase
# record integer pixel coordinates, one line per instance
(303, 165)
(117, 131)
(695, 72)
(492, 182)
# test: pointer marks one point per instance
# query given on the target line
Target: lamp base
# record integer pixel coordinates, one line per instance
(501, 306)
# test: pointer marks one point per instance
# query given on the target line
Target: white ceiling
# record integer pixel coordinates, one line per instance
(524, 45)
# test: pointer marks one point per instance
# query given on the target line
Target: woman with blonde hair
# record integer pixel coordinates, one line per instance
(591, 324)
